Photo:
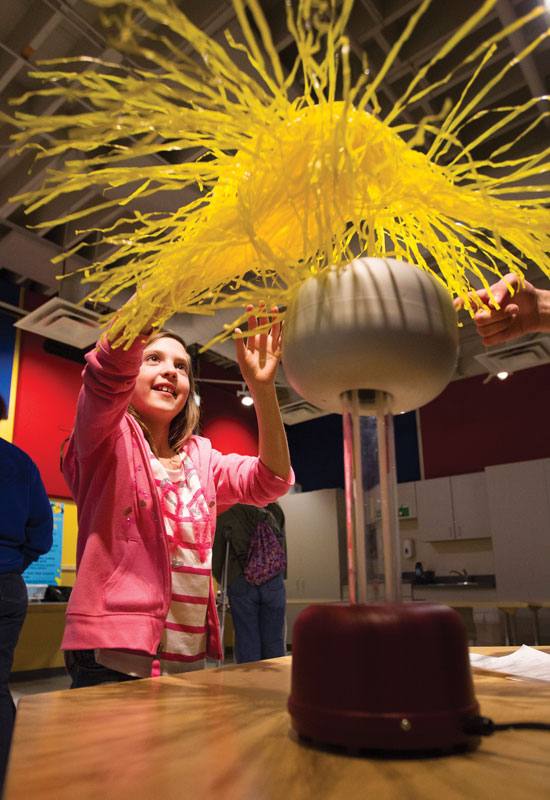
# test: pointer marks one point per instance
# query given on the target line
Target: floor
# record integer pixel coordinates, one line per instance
(54, 683)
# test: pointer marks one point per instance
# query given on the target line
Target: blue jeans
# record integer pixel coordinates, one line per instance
(85, 671)
(258, 614)
(13, 610)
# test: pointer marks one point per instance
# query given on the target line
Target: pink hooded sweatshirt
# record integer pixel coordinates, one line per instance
(122, 591)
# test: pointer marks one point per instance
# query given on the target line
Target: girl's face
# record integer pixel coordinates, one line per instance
(162, 386)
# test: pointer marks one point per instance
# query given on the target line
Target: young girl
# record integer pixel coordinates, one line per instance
(146, 490)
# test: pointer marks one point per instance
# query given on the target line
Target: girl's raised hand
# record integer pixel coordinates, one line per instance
(259, 354)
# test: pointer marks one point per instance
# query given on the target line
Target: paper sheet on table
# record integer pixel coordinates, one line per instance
(524, 664)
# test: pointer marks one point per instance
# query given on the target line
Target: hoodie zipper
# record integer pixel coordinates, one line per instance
(154, 498)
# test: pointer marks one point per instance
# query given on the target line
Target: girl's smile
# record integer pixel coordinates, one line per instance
(162, 386)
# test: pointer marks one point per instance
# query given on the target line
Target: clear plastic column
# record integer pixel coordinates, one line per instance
(372, 521)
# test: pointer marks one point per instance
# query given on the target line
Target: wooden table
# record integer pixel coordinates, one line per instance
(225, 733)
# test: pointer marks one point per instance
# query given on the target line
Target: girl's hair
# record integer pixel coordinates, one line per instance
(3, 409)
(184, 423)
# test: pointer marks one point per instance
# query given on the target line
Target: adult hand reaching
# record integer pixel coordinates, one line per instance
(523, 309)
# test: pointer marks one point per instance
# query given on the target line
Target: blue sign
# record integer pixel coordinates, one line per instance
(47, 569)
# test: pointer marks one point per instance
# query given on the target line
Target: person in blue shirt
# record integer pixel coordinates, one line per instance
(26, 531)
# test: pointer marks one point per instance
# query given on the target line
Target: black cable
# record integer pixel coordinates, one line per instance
(535, 726)
(483, 726)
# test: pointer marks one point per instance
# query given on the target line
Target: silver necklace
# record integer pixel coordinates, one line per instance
(172, 462)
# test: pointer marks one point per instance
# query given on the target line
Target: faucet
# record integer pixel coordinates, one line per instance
(462, 574)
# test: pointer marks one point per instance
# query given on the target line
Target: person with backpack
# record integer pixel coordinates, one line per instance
(256, 568)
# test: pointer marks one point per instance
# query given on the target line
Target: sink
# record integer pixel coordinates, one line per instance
(447, 584)
(452, 581)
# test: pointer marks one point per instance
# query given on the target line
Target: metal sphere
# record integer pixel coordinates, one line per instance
(375, 324)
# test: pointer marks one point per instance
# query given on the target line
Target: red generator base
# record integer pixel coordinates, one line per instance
(382, 677)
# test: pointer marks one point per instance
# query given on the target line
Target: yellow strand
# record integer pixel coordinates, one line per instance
(289, 187)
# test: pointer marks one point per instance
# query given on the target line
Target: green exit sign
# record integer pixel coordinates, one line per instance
(403, 512)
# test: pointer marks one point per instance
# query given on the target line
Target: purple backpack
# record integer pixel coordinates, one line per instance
(266, 557)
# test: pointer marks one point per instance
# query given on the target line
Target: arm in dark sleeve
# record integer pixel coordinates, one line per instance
(39, 524)
(218, 548)
(279, 517)
(242, 520)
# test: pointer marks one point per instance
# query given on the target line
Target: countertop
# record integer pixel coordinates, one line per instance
(224, 734)
(452, 581)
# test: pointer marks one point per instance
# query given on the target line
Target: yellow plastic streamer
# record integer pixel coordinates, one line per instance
(290, 186)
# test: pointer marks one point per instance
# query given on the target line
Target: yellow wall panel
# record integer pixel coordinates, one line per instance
(40, 638)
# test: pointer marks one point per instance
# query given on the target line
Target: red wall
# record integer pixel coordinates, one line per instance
(472, 425)
(230, 426)
(227, 432)
(47, 391)
(45, 405)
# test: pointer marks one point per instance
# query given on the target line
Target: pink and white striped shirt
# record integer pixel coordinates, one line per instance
(189, 536)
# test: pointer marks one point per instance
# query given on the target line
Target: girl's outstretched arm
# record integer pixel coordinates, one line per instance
(258, 356)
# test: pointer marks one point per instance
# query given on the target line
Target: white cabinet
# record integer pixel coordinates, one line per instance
(470, 506)
(315, 525)
(519, 503)
(453, 508)
(315, 540)
(435, 509)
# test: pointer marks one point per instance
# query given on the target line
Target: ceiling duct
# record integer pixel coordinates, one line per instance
(300, 411)
(516, 356)
(295, 409)
(64, 322)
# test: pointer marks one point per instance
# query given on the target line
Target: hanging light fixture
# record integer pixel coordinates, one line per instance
(502, 375)
(244, 394)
